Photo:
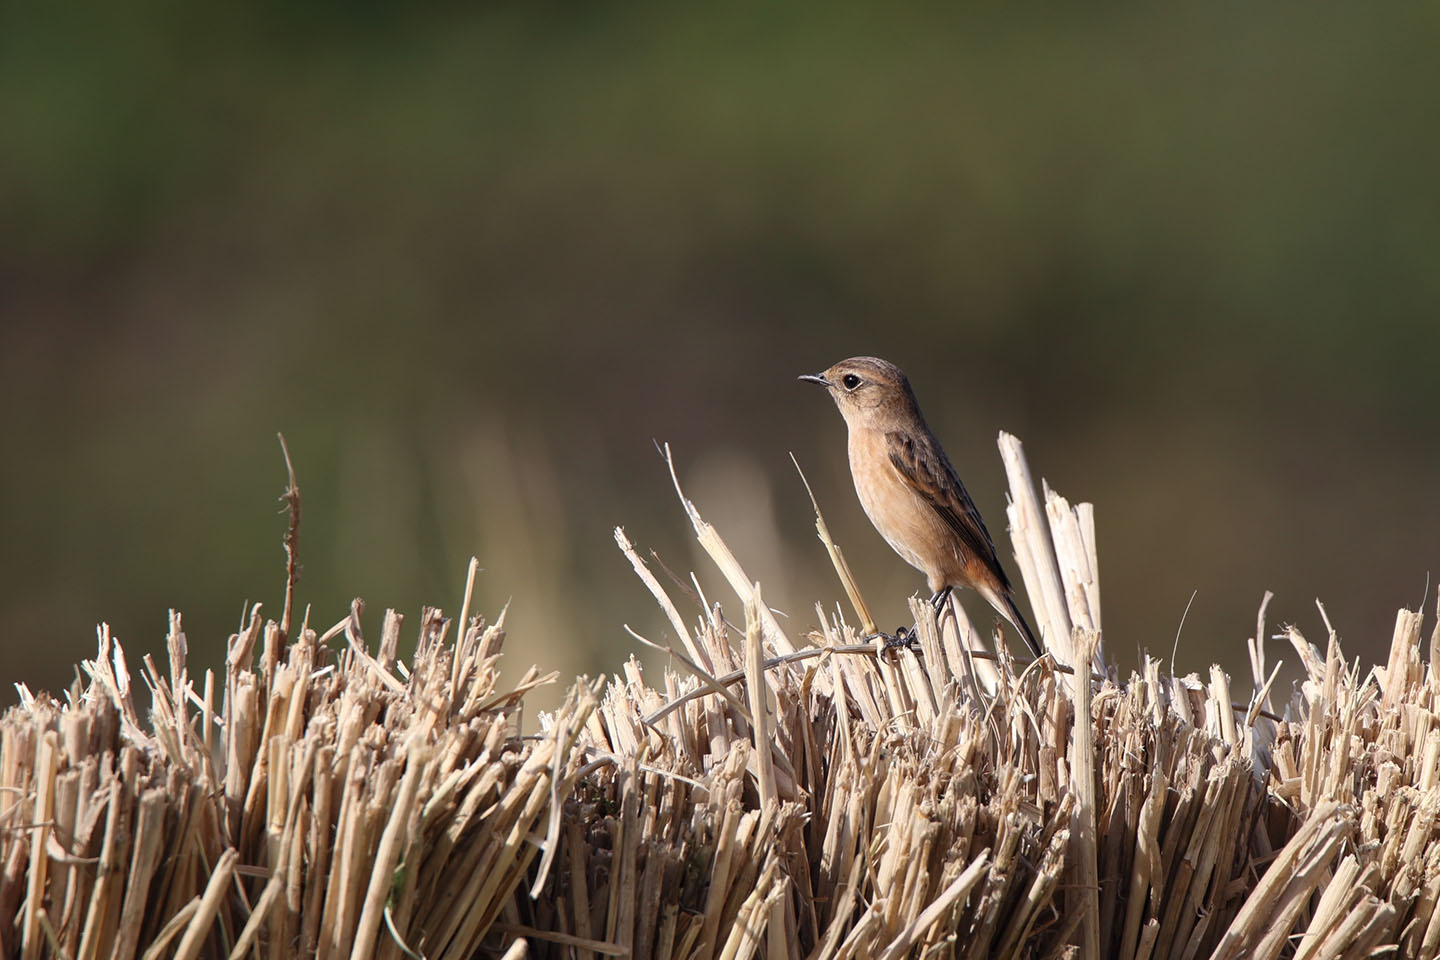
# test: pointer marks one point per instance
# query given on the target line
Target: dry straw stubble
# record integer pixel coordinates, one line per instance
(767, 798)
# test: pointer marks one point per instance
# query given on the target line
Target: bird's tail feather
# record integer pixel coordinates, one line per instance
(1004, 603)
(1018, 621)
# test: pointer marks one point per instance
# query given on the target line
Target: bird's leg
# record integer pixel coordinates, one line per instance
(906, 636)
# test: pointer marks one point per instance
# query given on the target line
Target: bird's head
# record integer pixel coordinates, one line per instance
(867, 390)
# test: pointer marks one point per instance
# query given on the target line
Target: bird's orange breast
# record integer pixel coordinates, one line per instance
(901, 514)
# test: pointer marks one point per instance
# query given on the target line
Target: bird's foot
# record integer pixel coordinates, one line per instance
(902, 639)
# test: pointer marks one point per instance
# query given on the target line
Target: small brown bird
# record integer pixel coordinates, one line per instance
(909, 489)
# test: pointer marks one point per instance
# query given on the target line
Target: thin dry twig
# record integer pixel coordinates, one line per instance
(291, 496)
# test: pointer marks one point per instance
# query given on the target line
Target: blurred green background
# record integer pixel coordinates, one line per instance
(472, 260)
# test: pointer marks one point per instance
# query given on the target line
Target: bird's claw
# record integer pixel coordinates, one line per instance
(902, 639)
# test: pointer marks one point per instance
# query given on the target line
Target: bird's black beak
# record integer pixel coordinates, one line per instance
(814, 378)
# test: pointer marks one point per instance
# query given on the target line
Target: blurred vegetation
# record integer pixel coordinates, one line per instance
(472, 260)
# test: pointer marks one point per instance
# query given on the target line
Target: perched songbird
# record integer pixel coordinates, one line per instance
(910, 491)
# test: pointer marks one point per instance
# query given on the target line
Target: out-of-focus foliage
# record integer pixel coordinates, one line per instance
(472, 261)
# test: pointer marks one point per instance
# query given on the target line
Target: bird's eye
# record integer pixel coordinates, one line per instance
(850, 380)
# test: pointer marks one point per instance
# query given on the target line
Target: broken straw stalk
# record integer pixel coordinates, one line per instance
(832, 803)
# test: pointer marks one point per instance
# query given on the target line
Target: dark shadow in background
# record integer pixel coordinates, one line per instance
(473, 262)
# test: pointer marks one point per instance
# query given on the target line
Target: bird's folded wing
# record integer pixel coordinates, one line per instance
(924, 466)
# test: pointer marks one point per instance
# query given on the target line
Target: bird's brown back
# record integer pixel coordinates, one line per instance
(923, 466)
